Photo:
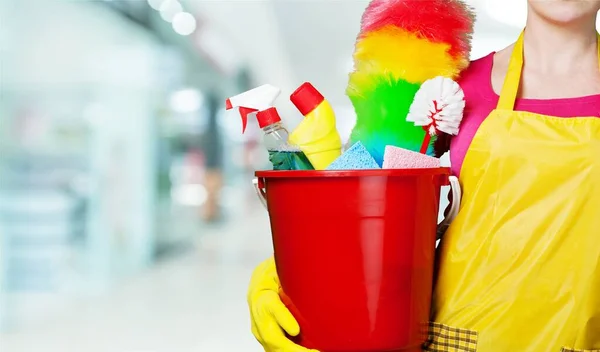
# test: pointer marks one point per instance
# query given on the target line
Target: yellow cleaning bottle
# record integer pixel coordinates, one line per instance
(317, 135)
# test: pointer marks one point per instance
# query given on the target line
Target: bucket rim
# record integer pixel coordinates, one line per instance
(438, 171)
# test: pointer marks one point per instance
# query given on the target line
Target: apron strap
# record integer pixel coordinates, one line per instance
(510, 89)
(512, 81)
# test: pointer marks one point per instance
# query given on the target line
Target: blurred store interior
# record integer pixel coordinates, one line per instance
(128, 221)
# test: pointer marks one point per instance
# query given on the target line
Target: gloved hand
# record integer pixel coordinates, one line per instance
(270, 317)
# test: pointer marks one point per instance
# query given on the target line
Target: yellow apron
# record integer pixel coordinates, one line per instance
(520, 265)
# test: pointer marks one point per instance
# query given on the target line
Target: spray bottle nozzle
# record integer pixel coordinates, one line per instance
(252, 101)
(244, 112)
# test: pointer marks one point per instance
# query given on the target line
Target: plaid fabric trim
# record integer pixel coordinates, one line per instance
(564, 349)
(443, 338)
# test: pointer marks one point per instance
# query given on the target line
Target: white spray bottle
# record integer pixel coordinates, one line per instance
(259, 101)
(253, 101)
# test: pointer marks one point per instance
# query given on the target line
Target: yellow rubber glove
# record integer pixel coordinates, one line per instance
(270, 317)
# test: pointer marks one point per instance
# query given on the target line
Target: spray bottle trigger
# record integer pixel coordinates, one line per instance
(244, 112)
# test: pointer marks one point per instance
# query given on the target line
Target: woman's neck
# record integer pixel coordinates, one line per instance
(560, 49)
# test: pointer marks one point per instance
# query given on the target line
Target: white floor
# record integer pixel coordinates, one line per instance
(195, 302)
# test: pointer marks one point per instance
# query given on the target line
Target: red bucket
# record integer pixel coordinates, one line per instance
(355, 252)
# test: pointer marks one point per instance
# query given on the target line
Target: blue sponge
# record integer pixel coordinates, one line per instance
(356, 157)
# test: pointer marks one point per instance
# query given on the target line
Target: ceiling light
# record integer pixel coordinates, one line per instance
(184, 23)
(155, 4)
(170, 8)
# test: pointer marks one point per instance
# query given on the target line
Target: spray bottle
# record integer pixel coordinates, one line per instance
(317, 135)
(259, 101)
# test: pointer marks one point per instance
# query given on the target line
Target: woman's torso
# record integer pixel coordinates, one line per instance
(518, 267)
(481, 99)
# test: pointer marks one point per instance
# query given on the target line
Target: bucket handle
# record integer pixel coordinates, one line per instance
(259, 186)
(454, 207)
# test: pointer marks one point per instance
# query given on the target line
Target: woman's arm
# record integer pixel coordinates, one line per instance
(441, 146)
(440, 230)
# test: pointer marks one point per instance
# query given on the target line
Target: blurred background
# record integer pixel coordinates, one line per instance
(128, 220)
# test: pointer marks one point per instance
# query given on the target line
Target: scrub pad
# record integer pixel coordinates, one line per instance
(356, 157)
(398, 158)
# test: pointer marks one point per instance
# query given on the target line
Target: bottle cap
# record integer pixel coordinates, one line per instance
(267, 117)
(306, 98)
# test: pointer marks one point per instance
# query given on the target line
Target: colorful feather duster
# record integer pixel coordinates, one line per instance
(401, 45)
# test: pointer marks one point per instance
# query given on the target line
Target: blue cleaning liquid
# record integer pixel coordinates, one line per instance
(289, 160)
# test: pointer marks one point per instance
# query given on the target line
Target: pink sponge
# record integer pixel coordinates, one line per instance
(399, 158)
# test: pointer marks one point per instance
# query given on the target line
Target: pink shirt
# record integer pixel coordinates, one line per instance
(481, 99)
